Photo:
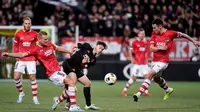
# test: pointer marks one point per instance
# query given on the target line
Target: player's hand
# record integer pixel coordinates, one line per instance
(37, 62)
(132, 61)
(73, 48)
(4, 54)
(196, 43)
(85, 59)
(162, 47)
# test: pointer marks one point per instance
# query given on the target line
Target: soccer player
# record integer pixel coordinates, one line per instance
(138, 57)
(160, 44)
(44, 52)
(25, 39)
(85, 57)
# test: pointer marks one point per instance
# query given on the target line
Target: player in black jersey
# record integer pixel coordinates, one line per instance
(84, 57)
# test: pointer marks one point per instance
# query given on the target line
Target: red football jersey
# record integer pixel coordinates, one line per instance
(140, 51)
(25, 41)
(46, 56)
(166, 38)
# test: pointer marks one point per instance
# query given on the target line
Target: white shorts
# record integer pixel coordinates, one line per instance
(158, 67)
(30, 67)
(139, 70)
(58, 78)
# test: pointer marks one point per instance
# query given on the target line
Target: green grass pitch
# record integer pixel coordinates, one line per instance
(185, 98)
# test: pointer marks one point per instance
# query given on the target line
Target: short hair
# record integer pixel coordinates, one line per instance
(26, 18)
(158, 22)
(102, 43)
(42, 33)
(140, 29)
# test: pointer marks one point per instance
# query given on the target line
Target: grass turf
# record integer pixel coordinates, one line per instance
(185, 98)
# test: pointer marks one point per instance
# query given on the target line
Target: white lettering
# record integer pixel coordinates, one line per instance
(48, 52)
(190, 49)
(180, 53)
(160, 44)
(142, 49)
(26, 44)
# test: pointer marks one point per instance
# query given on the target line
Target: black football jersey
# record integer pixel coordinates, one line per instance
(76, 58)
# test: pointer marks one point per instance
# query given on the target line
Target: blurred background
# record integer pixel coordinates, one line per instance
(114, 21)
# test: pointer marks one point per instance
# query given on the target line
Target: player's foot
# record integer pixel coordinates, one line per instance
(20, 97)
(35, 101)
(147, 94)
(135, 97)
(55, 103)
(92, 107)
(67, 105)
(167, 94)
(74, 108)
(124, 93)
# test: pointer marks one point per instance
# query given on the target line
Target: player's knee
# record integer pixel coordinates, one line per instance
(134, 78)
(69, 82)
(32, 77)
(156, 79)
(17, 76)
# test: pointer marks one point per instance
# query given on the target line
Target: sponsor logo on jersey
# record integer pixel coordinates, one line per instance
(142, 49)
(21, 38)
(48, 52)
(160, 43)
(26, 44)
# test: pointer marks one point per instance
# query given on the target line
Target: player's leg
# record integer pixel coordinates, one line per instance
(133, 71)
(73, 77)
(61, 79)
(19, 68)
(31, 70)
(163, 84)
(144, 70)
(156, 68)
(87, 93)
(145, 85)
(72, 92)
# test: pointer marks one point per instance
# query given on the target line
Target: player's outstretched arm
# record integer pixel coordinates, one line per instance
(15, 55)
(196, 43)
(63, 50)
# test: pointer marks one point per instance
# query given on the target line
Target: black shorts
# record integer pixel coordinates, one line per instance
(67, 69)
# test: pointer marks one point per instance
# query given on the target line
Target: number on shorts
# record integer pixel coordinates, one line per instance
(16, 64)
(60, 73)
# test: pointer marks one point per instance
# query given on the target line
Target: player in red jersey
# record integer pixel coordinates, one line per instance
(160, 44)
(138, 57)
(44, 52)
(25, 39)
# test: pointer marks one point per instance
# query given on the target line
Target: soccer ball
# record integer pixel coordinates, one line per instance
(110, 78)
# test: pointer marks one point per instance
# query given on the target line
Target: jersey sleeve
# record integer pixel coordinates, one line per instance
(133, 46)
(16, 43)
(84, 46)
(175, 34)
(152, 40)
(33, 51)
(53, 45)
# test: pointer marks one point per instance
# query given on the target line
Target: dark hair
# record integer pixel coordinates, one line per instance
(102, 43)
(141, 29)
(158, 22)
